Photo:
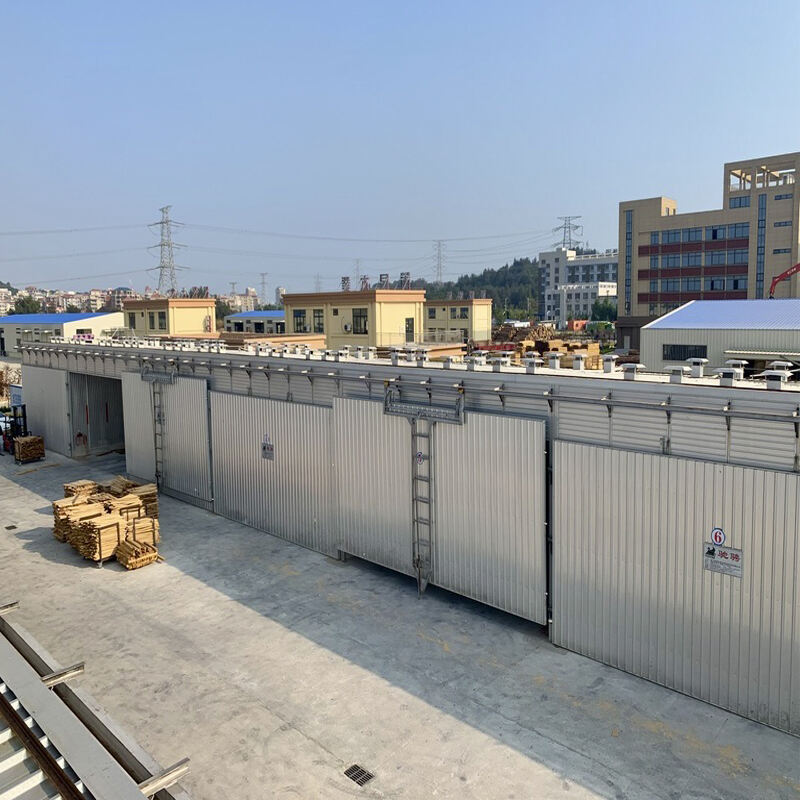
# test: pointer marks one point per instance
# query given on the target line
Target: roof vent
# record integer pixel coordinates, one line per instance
(500, 362)
(676, 374)
(630, 371)
(697, 366)
(609, 362)
(775, 378)
(554, 359)
(451, 361)
(738, 365)
(532, 365)
(579, 362)
(727, 375)
(780, 365)
(475, 361)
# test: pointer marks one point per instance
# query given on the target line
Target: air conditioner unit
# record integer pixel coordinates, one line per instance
(347, 327)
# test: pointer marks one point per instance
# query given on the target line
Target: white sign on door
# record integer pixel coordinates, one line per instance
(725, 560)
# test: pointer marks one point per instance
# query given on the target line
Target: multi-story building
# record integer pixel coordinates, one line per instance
(458, 320)
(19, 328)
(280, 291)
(373, 318)
(575, 300)
(730, 253)
(171, 316)
(255, 322)
(6, 301)
(563, 266)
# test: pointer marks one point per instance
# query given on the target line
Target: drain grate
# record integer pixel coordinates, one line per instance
(11, 527)
(358, 774)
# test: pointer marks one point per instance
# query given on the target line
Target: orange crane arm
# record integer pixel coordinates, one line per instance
(782, 277)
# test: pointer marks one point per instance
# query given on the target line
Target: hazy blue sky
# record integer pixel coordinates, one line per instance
(370, 120)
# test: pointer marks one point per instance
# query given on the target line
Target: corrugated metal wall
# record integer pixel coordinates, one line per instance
(140, 458)
(289, 496)
(630, 590)
(96, 414)
(186, 461)
(372, 453)
(489, 508)
(79, 414)
(47, 405)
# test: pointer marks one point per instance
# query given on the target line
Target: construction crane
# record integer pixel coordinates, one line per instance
(782, 277)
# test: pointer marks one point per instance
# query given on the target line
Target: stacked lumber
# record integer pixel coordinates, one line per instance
(148, 493)
(28, 448)
(74, 511)
(97, 538)
(79, 487)
(119, 485)
(100, 497)
(144, 529)
(133, 555)
(128, 506)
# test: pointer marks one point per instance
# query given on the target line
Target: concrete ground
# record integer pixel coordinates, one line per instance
(274, 668)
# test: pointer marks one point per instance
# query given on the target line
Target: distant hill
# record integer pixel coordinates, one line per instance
(4, 285)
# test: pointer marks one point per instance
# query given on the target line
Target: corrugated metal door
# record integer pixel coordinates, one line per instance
(489, 512)
(373, 467)
(79, 414)
(104, 399)
(47, 405)
(630, 588)
(186, 468)
(272, 468)
(137, 407)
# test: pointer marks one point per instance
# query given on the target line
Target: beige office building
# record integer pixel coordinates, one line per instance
(731, 253)
(458, 320)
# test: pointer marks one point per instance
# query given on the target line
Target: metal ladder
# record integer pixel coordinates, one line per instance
(422, 499)
(158, 431)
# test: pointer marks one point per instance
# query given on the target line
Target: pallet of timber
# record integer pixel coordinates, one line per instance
(28, 448)
(148, 493)
(119, 485)
(128, 506)
(97, 538)
(79, 487)
(65, 517)
(133, 555)
(144, 529)
(99, 497)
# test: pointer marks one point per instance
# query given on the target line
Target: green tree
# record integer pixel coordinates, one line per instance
(27, 305)
(604, 310)
(223, 309)
(73, 309)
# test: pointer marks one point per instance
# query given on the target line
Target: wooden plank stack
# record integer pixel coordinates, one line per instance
(119, 485)
(66, 517)
(133, 555)
(128, 506)
(144, 529)
(148, 493)
(28, 448)
(97, 538)
(79, 487)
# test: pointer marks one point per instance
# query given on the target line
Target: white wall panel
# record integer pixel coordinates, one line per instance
(47, 404)
(137, 404)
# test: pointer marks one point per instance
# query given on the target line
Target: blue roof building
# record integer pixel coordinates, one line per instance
(18, 328)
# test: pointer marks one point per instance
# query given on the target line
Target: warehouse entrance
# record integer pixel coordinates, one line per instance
(95, 413)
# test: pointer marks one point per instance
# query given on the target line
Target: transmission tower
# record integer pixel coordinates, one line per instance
(364, 283)
(263, 287)
(405, 280)
(568, 227)
(167, 280)
(233, 288)
(438, 249)
(317, 283)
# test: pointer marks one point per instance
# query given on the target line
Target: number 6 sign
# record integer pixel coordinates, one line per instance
(718, 536)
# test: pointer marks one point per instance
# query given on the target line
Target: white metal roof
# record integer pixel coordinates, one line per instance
(781, 314)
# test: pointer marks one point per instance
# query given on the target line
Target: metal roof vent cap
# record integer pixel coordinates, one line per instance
(343, 354)
(697, 366)
(395, 357)
(372, 352)
(775, 378)
(579, 362)
(554, 359)
(499, 362)
(475, 361)
(609, 362)
(737, 364)
(450, 361)
(360, 351)
(780, 365)
(727, 375)
(630, 371)
(677, 374)
(532, 365)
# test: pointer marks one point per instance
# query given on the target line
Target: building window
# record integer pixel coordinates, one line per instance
(670, 285)
(162, 320)
(784, 223)
(671, 236)
(628, 258)
(359, 321)
(715, 258)
(463, 312)
(151, 318)
(690, 284)
(714, 284)
(431, 313)
(299, 316)
(784, 196)
(681, 352)
(319, 325)
(761, 245)
(691, 259)
(692, 235)
(131, 319)
(653, 286)
(453, 312)
(335, 312)
(653, 237)
(258, 327)
(737, 256)
(739, 231)
(238, 327)
(739, 202)
(736, 283)
(671, 260)
(715, 233)
(779, 250)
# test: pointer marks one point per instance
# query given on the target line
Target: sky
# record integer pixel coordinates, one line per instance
(367, 121)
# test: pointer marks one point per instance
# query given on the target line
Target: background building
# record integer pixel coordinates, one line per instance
(173, 316)
(374, 318)
(458, 320)
(563, 266)
(759, 331)
(20, 328)
(729, 253)
(256, 322)
(575, 300)
(280, 291)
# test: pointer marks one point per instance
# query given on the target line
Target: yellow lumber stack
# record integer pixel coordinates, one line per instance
(28, 448)
(144, 529)
(66, 518)
(133, 555)
(128, 506)
(149, 497)
(79, 487)
(97, 538)
(119, 485)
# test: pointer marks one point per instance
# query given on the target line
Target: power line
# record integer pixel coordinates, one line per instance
(72, 230)
(55, 256)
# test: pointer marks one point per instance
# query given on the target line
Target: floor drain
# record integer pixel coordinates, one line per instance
(358, 774)
(11, 527)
